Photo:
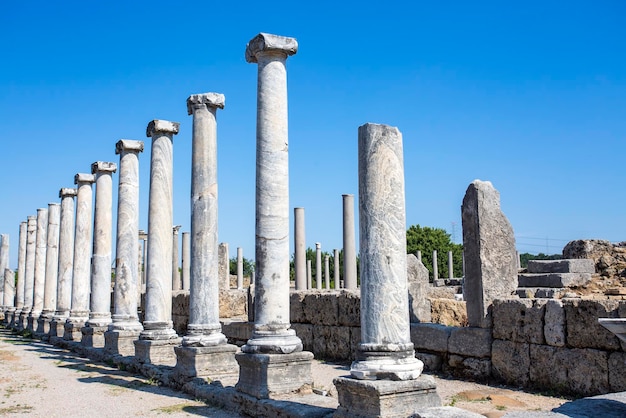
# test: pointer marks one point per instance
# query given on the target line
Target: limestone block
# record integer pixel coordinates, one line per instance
(180, 302)
(546, 368)
(355, 339)
(562, 266)
(469, 367)
(583, 330)
(449, 312)
(418, 284)
(213, 361)
(431, 337)
(296, 307)
(510, 362)
(349, 302)
(617, 372)
(237, 331)
(490, 255)
(305, 332)
(519, 320)
(554, 323)
(432, 362)
(470, 342)
(330, 342)
(321, 307)
(556, 280)
(233, 303)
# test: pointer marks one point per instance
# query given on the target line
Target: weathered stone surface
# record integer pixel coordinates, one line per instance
(349, 302)
(554, 323)
(540, 292)
(519, 320)
(233, 303)
(609, 259)
(159, 352)
(449, 312)
(583, 330)
(469, 367)
(329, 342)
(296, 306)
(617, 372)
(561, 266)
(470, 342)
(510, 362)
(432, 362)
(431, 337)
(446, 412)
(556, 280)
(223, 271)
(321, 307)
(417, 276)
(612, 405)
(305, 332)
(212, 362)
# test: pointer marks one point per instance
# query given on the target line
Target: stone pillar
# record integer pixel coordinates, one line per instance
(186, 260)
(349, 247)
(435, 266)
(9, 295)
(143, 237)
(309, 275)
(29, 271)
(177, 283)
(419, 255)
(318, 265)
(66, 264)
(4, 264)
(272, 360)
(300, 249)
(79, 312)
(21, 264)
(239, 268)
(125, 326)
(40, 271)
(204, 351)
(224, 266)
(158, 338)
(336, 265)
(52, 269)
(100, 301)
(489, 245)
(327, 272)
(385, 356)
(450, 265)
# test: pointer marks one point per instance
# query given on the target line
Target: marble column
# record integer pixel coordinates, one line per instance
(450, 265)
(65, 265)
(273, 347)
(79, 312)
(29, 271)
(336, 269)
(224, 266)
(318, 265)
(40, 270)
(327, 271)
(309, 275)
(419, 255)
(204, 351)
(177, 283)
(158, 338)
(52, 268)
(21, 264)
(349, 246)
(100, 299)
(143, 237)
(300, 248)
(9, 295)
(239, 268)
(435, 266)
(125, 326)
(186, 260)
(4, 264)
(385, 351)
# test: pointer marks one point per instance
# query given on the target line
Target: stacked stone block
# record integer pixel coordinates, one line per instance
(550, 278)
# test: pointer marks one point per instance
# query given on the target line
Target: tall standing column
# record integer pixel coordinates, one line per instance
(327, 271)
(239, 268)
(66, 264)
(318, 265)
(204, 351)
(4, 264)
(349, 246)
(176, 279)
(272, 329)
(21, 263)
(385, 351)
(309, 275)
(79, 312)
(125, 326)
(435, 266)
(450, 265)
(9, 295)
(100, 300)
(336, 269)
(52, 268)
(29, 271)
(158, 338)
(143, 237)
(224, 266)
(40, 270)
(186, 260)
(300, 248)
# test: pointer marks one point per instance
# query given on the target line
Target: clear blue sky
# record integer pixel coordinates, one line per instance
(529, 95)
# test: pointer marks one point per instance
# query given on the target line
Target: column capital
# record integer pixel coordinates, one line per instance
(318, 245)
(31, 219)
(215, 100)
(175, 228)
(128, 145)
(268, 43)
(67, 192)
(163, 126)
(142, 234)
(102, 166)
(84, 178)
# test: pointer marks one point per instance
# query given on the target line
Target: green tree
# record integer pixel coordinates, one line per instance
(248, 266)
(541, 256)
(426, 240)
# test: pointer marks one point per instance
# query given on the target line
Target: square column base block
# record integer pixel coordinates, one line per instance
(73, 331)
(93, 336)
(384, 398)
(160, 352)
(43, 325)
(265, 375)
(120, 342)
(22, 322)
(57, 329)
(31, 324)
(212, 362)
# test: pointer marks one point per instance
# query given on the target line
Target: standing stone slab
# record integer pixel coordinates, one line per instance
(419, 303)
(52, 267)
(489, 252)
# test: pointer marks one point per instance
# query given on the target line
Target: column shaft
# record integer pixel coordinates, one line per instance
(349, 247)
(52, 261)
(300, 248)
(186, 260)
(40, 262)
(66, 254)
(318, 265)
(21, 265)
(176, 279)
(4, 264)
(239, 268)
(336, 271)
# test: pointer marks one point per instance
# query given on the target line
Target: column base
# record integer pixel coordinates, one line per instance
(9, 316)
(120, 342)
(93, 336)
(43, 325)
(33, 316)
(22, 322)
(159, 352)
(57, 327)
(386, 362)
(384, 398)
(271, 342)
(212, 361)
(73, 328)
(266, 375)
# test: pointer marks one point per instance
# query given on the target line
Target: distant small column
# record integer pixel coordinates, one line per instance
(318, 265)
(40, 270)
(224, 266)
(125, 326)
(186, 260)
(309, 275)
(239, 268)
(143, 237)
(4, 264)
(21, 264)
(519, 260)
(66, 264)
(327, 272)
(29, 272)
(177, 283)
(52, 268)
(81, 274)
(419, 255)
(300, 249)
(9, 295)
(450, 265)
(336, 269)
(158, 338)
(435, 266)
(349, 246)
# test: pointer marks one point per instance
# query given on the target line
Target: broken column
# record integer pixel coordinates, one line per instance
(489, 252)
(177, 283)
(157, 340)
(186, 260)
(349, 246)
(204, 351)
(386, 371)
(125, 327)
(21, 263)
(272, 361)
(81, 274)
(224, 266)
(100, 301)
(318, 265)
(52, 268)
(29, 272)
(40, 270)
(299, 260)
